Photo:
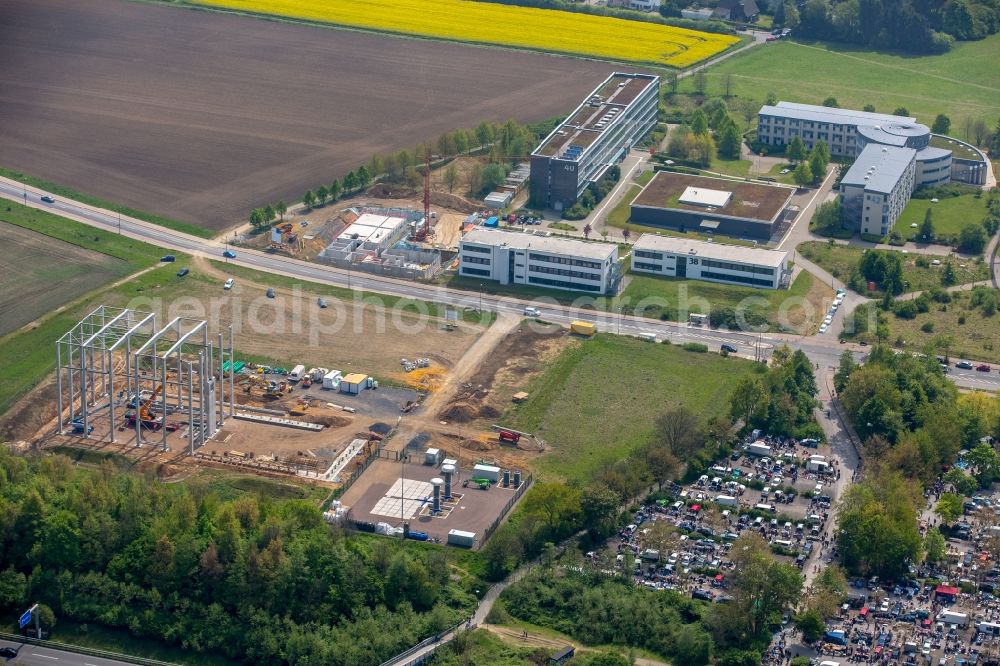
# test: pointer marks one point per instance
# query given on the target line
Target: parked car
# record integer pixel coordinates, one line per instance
(182, 272)
(964, 365)
(229, 284)
(704, 595)
(47, 199)
(168, 258)
(321, 302)
(270, 292)
(228, 254)
(983, 367)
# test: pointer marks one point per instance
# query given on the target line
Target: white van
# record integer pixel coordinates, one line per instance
(784, 543)
(296, 373)
(765, 507)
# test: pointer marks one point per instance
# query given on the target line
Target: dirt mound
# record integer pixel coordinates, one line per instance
(442, 199)
(458, 412)
(479, 445)
(31, 413)
(328, 420)
(489, 412)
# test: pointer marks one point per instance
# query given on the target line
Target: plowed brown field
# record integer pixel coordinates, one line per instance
(202, 116)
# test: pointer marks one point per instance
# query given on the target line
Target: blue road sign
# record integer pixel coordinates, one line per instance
(25, 620)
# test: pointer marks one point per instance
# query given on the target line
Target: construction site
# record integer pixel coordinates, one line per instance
(429, 455)
(392, 230)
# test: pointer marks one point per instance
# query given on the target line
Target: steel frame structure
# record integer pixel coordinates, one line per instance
(176, 357)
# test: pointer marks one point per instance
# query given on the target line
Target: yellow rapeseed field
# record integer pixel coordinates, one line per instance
(506, 25)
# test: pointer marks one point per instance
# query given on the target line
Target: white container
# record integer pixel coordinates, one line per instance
(726, 500)
(486, 472)
(759, 449)
(432, 456)
(461, 538)
(331, 380)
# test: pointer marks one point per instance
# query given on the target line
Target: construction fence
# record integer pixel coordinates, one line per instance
(488, 532)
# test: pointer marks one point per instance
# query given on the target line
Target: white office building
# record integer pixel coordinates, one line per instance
(510, 257)
(595, 137)
(877, 187)
(672, 256)
(777, 125)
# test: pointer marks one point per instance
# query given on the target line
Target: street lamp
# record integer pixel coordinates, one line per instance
(480, 296)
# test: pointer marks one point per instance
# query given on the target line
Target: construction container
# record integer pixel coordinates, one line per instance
(584, 328)
(296, 373)
(432, 456)
(486, 472)
(354, 383)
(319, 373)
(331, 380)
(759, 449)
(461, 538)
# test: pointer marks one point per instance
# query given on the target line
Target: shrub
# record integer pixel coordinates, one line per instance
(695, 347)
(927, 327)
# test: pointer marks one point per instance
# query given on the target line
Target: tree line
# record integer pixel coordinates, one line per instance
(916, 26)
(912, 423)
(249, 578)
(501, 144)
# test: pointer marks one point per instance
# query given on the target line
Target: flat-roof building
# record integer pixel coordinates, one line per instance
(877, 187)
(671, 256)
(510, 257)
(839, 128)
(711, 205)
(593, 138)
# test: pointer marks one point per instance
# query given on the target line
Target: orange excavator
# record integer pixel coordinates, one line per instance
(146, 418)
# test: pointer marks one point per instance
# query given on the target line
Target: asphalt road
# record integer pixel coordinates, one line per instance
(33, 655)
(821, 350)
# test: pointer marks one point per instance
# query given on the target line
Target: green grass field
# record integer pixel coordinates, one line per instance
(963, 83)
(949, 215)
(767, 302)
(839, 261)
(69, 193)
(599, 399)
(974, 338)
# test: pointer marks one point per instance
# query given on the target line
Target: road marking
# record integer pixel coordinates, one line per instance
(86, 664)
(45, 656)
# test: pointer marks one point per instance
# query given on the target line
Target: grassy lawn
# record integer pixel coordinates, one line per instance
(69, 193)
(599, 399)
(960, 150)
(962, 83)
(949, 215)
(839, 261)
(230, 485)
(736, 167)
(644, 177)
(679, 292)
(786, 178)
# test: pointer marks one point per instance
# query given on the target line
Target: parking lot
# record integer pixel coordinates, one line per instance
(772, 487)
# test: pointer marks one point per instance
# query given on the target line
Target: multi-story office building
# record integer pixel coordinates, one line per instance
(877, 187)
(838, 128)
(698, 260)
(596, 136)
(510, 257)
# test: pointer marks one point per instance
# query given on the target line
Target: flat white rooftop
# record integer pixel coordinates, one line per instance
(563, 246)
(702, 196)
(696, 248)
(371, 227)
